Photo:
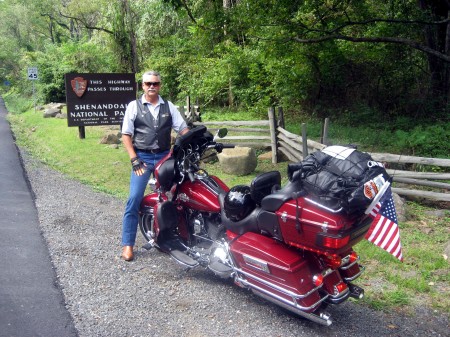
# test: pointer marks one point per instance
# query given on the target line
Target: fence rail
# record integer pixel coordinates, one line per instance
(271, 134)
(257, 134)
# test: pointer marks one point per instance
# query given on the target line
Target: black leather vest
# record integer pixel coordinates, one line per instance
(150, 134)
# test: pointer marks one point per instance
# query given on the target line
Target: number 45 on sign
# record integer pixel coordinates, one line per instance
(32, 73)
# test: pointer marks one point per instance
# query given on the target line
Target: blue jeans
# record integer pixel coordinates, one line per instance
(137, 189)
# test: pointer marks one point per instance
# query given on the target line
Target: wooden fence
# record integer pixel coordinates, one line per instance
(271, 134)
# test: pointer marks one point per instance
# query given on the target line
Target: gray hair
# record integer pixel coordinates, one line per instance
(151, 73)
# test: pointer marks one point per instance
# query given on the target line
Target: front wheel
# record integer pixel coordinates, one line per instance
(146, 224)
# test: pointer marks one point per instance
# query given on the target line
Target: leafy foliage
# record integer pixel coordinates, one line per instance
(357, 62)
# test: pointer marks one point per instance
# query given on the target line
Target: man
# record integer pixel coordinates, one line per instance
(146, 136)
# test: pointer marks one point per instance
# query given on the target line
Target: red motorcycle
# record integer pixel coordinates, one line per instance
(287, 245)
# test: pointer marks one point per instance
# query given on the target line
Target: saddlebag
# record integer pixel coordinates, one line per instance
(271, 267)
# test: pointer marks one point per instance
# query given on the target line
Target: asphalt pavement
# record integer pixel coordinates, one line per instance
(31, 302)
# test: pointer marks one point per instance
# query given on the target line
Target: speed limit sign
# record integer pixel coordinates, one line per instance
(33, 73)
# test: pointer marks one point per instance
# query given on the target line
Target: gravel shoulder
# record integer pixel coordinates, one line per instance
(153, 296)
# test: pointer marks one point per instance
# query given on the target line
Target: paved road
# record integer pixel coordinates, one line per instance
(31, 303)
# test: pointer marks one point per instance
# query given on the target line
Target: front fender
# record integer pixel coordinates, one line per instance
(151, 200)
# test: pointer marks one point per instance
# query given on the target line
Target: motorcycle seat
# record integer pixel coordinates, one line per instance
(273, 202)
(248, 224)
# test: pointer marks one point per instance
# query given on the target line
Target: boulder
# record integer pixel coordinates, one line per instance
(239, 160)
(51, 112)
(52, 105)
(400, 207)
(62, 115)
(110, 139)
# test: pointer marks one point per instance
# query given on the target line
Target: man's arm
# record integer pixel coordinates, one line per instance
(137, 164)
(128, 144)
(185, 130)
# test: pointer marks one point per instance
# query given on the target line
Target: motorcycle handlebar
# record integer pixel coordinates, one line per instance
(228, 146)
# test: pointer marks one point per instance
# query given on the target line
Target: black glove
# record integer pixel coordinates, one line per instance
(219, 147)
(137, 164)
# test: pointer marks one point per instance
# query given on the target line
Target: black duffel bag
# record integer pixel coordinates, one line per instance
(340, 176)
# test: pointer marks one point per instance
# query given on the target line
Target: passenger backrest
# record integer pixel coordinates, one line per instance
(263, 185)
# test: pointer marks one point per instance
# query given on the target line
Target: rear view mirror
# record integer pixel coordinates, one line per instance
(222, 132)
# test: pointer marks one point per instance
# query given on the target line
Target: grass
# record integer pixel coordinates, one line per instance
(58, 146)
(422, 280)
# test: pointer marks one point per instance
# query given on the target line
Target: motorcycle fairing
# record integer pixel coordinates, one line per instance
(167, 216)
(165, 174)
(150, 200)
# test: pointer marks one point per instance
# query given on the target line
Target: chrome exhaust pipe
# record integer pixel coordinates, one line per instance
(322, 318)
(355, 291)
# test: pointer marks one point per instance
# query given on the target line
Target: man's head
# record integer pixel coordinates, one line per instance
(151, 84)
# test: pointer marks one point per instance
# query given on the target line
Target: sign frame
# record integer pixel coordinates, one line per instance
(98, 98)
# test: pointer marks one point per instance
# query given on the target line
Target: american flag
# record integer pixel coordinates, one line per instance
(384, 231)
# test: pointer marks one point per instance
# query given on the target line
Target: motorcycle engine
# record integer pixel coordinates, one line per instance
(206, 226)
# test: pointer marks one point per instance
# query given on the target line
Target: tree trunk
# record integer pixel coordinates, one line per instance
(438, 38)
(133, 45)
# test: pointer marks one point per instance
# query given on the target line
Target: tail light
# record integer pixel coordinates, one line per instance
(318, 280)
(333, 242)
(339, 288)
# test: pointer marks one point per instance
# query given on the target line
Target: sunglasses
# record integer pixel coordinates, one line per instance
(149, 84)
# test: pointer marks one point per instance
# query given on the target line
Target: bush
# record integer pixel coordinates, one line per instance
(58, 60)
(429, 141)
(17, 103)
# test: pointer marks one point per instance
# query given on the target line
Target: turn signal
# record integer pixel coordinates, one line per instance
(353, 257)
(318, 280)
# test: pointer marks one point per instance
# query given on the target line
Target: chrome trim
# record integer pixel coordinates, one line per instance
(324, 207)
(326, 272)
(345, 267)
(349, 279)
(274, 286)
(284, 216)
(210, 184)
(256, 263)
(279, 298)
(340, 297)
(294, 300)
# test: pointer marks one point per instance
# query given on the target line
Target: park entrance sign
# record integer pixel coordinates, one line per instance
(98, 99)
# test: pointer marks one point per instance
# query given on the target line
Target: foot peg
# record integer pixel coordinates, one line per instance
(183, 259)
(220, 269)
(149, 245)
(173, 243)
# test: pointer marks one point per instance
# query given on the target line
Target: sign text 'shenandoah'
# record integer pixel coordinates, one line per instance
(98, 99)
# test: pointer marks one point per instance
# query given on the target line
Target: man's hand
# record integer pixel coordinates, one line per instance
(138, 166)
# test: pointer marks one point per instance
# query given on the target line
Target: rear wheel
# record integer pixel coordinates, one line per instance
(146, 221)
